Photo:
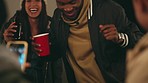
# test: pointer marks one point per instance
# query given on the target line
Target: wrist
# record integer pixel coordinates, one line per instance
(122, 39)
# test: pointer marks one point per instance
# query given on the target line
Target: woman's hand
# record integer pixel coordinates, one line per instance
(35, 47)
(27, 65)
(9, 32)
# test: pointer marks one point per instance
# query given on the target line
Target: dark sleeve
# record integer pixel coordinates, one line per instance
(128, 27)
(53, 32)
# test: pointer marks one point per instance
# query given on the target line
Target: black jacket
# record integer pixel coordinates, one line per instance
(110, 56)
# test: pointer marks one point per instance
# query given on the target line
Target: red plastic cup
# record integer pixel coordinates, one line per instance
(43, 40)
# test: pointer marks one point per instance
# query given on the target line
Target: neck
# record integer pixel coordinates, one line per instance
(33, 20)
(34, 26)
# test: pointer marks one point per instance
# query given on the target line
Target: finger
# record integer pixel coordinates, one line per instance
(110, 34)
(27, 65)
(109, 25)
(11, 30)
(9, 35)
(104, 27)
(32, 38)
(35, 44)
(37, 50)
(12, 25)
(109, 30)
(111, 37)
(100, 26)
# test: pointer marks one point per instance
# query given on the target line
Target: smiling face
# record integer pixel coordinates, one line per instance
(70, 8)
(33, 8)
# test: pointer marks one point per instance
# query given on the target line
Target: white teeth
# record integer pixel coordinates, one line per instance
(33, 10)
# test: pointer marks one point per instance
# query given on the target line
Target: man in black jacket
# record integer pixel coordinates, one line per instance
(92, 37)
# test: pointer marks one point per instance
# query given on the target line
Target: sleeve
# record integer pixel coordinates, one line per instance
(130, 31)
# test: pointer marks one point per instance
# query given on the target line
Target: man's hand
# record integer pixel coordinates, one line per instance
(110, 32)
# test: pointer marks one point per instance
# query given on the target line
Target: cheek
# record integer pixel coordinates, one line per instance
(40, 7)
(60, 7)
(26, 8)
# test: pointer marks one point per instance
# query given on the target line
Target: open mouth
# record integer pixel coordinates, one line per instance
(33, 10)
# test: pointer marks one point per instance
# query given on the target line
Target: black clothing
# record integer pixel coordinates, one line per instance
(110, 57)
(3, 13)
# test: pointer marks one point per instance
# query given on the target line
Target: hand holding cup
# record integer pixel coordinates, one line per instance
(42, 44)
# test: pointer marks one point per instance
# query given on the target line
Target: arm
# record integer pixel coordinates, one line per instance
(129, 28)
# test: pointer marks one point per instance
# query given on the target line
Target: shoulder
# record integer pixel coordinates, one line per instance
(56, 18)
(57, 13)
(110, 6)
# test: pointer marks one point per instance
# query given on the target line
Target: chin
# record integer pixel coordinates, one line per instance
(74, 17)
(33, 16)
